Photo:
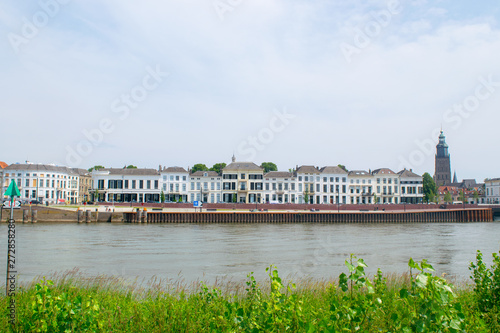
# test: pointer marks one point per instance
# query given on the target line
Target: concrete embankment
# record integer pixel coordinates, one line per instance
(35, 214)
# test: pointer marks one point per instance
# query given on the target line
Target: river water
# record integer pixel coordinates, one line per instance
(190, 252)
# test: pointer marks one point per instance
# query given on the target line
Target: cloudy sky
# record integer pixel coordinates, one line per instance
(366, 83)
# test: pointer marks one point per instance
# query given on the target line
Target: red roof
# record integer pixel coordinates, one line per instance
(3, 165)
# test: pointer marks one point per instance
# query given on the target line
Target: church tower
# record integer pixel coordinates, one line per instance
(442, 172)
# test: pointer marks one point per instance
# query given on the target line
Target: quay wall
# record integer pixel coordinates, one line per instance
(464, 215)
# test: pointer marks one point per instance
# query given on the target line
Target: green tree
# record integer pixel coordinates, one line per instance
(235, 199)
(269, 166)
(343, 167)
(306, 195)
(199, 167)
(430, 188)
(96, 167)
(375, 198)
(476, 197)
(448, 198)
(130, 167)
(162, 197)
(462, 196)
(217, 167)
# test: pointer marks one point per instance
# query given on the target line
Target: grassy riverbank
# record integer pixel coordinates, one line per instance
(415, 302)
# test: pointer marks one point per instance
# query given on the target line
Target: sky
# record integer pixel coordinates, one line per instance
(367, 84)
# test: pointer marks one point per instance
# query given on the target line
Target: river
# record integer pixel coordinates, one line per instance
(188, 252)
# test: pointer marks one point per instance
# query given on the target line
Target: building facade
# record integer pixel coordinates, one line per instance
(126, 185)
(386, 186)
(411, 187)
(360, 187)
(175, 184)
(44, 182)
(205, 186)
(242, 182)
(492, 190)
(280, 187)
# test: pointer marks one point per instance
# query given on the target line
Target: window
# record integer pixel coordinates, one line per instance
(184, 187)
(274, 186)
(218, 188)
(192, 186)
(126, 183)
(198, 186)
(286, 186)
(156, 184)
(242, 176)
(325, 179)
(177, 178)
(133, 184)
(300, 178)
(300, 187)
(141, 184)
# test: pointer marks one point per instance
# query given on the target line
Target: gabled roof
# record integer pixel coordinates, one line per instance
(41, 168)
(408, 174)
(359, 173)
(333, 170)
(202, 174)
(174, 169)
(130, 172)
(307, 169)
(383, 171)
(242, 166)
(278, 174)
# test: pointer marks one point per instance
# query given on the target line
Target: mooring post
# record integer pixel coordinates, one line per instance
(34, 216)
(87, 216)
(25, 216)
(79, 215)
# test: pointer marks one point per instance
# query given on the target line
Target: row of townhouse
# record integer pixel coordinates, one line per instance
(47, 183)
(246, 182)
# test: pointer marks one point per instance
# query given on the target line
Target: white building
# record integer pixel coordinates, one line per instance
(280, 187)
(411, 187)
(386, 185)
(333, 185)
(126, 185)
(242, 182)
(205, 186)
(360, 187)
(308, 178)
(492, 190)
(175, 182)
(43, 182)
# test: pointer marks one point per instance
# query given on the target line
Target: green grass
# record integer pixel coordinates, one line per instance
(414, 302)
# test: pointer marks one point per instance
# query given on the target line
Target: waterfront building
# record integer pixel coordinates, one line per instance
(242, 182)
(386, 185)
(280, 187)
(308, 184)
(175, 184)
(84, 185)
(205, 186)
(126, 185)
(442, 169)
(360, 187)
(44, 182)
(333, 187)
(492, 190)
(411, 187)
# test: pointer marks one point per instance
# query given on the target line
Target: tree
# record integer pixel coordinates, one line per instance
(217, 167)
(476, 197)
(162, 197)
(306, 195)
(343, 167)
(130, 167)
(375, 198)
(430, 188)
(269, 166)
(199, 167)
(462, 196)
(448, 198)
(96, 167)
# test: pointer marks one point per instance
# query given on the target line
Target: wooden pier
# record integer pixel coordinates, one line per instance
(435, 216)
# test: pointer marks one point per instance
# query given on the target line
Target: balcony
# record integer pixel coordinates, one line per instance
(280, 192)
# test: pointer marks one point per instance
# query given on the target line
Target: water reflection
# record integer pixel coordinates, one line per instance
(216, 251)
